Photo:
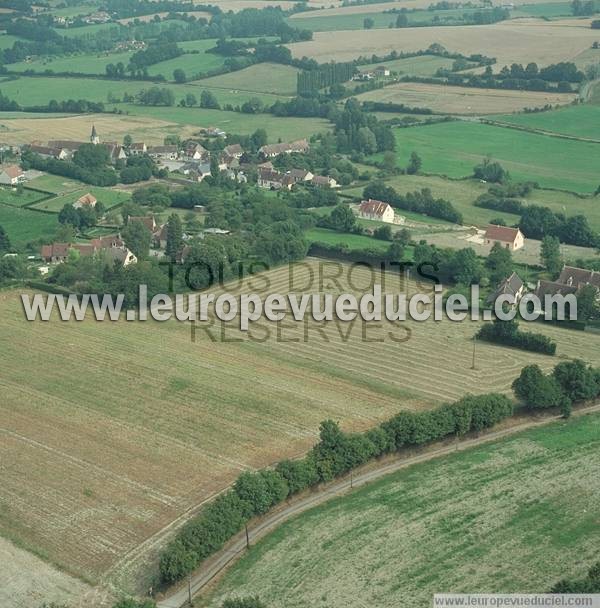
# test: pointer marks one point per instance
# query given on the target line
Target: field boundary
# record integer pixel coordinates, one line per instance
(217, 564)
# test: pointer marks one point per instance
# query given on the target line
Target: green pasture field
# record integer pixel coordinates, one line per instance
(454, 148)
(109, 198)
(262, 78)
(544, 9)
(463, 192)
(86, 30)
(581, 121)
(23, 225)
(29, 90)
(423, 65)
(7, 41)
(355, 21)
(14, 198)
(513, 516)
(55, 183)
(353, 241)
(84, 64)
(286, 129)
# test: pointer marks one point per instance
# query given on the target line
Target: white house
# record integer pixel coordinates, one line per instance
(509, 238)
(376, 210)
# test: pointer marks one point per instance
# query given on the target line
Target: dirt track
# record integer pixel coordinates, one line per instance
(224, 558)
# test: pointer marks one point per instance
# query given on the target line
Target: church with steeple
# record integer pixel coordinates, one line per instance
(94, 138)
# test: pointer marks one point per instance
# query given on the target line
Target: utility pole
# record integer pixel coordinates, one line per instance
(190, 589)
(474, 344)
(247, 537)
(351, 479)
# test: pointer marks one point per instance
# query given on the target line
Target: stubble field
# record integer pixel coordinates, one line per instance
(464, 100)
(108, 438)
(520, 41)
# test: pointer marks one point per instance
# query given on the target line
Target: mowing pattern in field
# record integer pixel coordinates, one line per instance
(513, 516)
(462, 100)
(111, 431)
(260, 78)
(454, 148)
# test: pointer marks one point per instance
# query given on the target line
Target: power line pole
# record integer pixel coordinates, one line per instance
(190, 589)
(474, 344)
(247, 537)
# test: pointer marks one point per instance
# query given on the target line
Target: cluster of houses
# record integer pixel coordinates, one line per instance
(570, 282)
(271, 179)
(379, 72)
(112, 247)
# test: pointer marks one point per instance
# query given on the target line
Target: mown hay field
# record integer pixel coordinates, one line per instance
(464, 100)
(454, 148)
(514, 516)
(111, 431)
(520, 41)
(23, 225)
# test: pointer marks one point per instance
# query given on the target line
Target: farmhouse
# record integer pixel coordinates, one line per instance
(274, 180)
(164, 152)
(299, 175)
(570, 282)
(138, 148)
(234, 150)
(48, 152)
(273, 150)
(376, 210)
(324, 182)
(11, 175)
(87, 200)
(381, 70)
(196, 151)
(510, 238)
(112, 247)
(159, 234)
(513, 286)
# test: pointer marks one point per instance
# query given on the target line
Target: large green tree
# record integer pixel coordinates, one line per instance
(174, 236)
(138, 239)
(499, 263)
(550, 255)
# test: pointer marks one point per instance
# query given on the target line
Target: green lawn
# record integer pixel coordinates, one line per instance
(261, 78)
(354, 241)
(109, 198)
(286, 129)
(581, 121)
(87, 30)
(516, 515)
(11, 197)
(191, 64)
(7, 42)
(23, 225)
(454, 148)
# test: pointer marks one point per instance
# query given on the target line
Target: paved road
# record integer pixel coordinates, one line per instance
(218, 562)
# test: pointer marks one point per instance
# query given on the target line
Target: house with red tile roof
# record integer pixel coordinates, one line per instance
(510, 238)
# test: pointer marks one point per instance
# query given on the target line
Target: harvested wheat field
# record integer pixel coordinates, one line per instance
(463, 100)
(520, 41)
(114, 433)
(152, 131)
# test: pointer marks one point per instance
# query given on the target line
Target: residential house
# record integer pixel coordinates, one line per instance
(116, 152)
(513, 286)
(112, 247)
(196, 170)
(164, 152)
(159, 235)
(299, 175)
(138, 148)
(274, 150)
(579, 277)
(213, 132)
(324, 182)
(47, 152)
(274, 180)
(376, 210)
(11, 175)
(381, 70)
(87, 200)
(510, 238)
(119, 254)
(234, 150)
(196, 151)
